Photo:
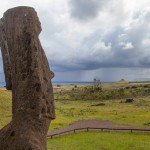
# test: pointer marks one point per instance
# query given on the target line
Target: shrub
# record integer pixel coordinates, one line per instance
(75, 86)
(58, 85)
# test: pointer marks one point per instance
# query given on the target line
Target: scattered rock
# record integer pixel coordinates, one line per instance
(147, 124)
(129, 100)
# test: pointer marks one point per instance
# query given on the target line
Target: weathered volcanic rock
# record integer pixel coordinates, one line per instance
(26, 68)
(5, 56)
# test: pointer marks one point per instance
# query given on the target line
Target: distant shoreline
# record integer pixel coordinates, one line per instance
(2, 84)
(72, 83)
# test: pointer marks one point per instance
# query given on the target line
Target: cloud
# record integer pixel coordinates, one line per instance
(102, 45)
(122, 47)
(86, 9)
(89, 35)
(146, 42)
(128, 45)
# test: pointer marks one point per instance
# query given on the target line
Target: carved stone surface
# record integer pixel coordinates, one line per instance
(26, 68)
(5, 56)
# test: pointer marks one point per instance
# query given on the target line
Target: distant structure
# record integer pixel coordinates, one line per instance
(122, 81)
(28, 74)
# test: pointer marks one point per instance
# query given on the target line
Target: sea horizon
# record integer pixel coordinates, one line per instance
(2, 84)
(78, 82)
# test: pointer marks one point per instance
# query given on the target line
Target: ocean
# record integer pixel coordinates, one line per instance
(59, 83)
(72, 82)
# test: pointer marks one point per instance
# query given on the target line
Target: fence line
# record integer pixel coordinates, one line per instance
(101, 129)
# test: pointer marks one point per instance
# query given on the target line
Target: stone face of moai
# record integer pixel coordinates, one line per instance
(28, 74)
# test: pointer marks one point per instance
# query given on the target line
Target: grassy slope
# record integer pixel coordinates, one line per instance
(68, 111)
(134, 114)
(101, 141)
(5, 107)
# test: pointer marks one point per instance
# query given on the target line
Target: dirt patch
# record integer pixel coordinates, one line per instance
(89, 124)
(99, 104)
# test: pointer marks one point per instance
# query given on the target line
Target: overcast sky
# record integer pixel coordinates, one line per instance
(86, 39)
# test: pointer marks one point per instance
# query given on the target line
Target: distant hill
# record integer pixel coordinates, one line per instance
(122, 81)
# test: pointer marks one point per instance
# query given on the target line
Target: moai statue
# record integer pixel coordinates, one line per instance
(28, 74)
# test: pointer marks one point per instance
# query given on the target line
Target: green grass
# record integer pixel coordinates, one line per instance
(100, 141)
(5, 107)
(134, 114)
(105, 91)
(68, 111)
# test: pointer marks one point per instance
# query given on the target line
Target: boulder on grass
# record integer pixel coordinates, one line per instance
(129, 100)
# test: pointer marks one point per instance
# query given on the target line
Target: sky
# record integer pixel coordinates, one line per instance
(86, 39)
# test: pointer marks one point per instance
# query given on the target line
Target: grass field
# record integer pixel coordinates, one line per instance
(106, 91)
(69, 110)
(5, 107)
(134, 114)
(100, 141)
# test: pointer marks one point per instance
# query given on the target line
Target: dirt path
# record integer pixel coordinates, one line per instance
(92, 124)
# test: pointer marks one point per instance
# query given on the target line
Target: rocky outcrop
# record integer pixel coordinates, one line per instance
(26, 68)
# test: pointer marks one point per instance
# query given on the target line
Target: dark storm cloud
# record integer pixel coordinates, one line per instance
(86, 9)
(120, 48)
